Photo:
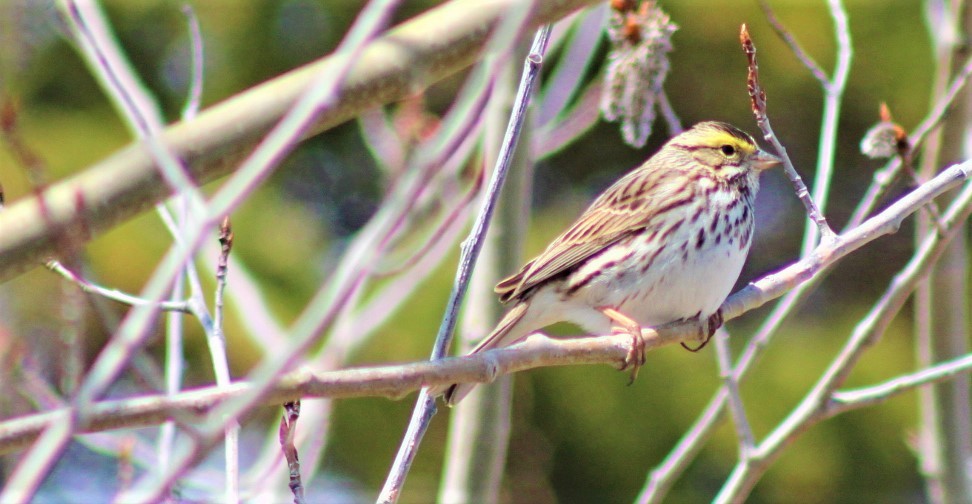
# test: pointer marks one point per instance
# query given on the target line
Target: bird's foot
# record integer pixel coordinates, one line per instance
(625, 325)
(707, 328)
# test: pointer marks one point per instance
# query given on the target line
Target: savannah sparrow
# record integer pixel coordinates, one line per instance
(665, 243)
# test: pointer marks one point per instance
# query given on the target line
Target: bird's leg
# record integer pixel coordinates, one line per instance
(706, 329)
(624, 324)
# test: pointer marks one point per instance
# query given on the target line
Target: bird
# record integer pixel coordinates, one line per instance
(664, 243)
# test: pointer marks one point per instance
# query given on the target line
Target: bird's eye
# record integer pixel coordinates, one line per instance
(728, 150)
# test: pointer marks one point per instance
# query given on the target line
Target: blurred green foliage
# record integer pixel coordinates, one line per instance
(580, 435)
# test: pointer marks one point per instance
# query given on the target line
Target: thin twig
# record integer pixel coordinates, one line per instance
(114, 294)
(222, 267)
(758, 99)
(744, 432)
(668, 112)
(847, 400)
(827, 149)
(288, 428)
(425, 406)
(804, 57)
(833, 91)
(223, 378)
(175, 358)
(194, 97)
(479, 432)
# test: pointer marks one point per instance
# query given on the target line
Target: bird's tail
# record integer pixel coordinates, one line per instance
(507, 332)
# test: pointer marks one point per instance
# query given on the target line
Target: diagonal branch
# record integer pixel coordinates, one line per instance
(801, 54)
(757, 97)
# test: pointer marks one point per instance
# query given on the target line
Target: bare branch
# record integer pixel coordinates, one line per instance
(217, 344)
(827, 149)
(848, 400)
(194, 98)
(114, 294)
(744, 433)
(758, 99)
(791, 41)
(288, 427)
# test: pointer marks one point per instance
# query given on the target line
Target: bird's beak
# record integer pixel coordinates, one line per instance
(764, 160)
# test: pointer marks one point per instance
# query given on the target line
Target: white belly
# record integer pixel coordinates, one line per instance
(680, 289)
(683, 282)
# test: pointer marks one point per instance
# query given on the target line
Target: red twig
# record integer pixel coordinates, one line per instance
(288, 427)
(758, 100)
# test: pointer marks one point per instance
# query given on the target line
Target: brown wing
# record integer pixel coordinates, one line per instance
(626, 207)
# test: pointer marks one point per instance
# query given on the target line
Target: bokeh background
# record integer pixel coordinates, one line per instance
(579, 434)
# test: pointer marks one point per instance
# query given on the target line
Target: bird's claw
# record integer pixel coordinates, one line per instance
(636, 353)
(635, 357)
(707, 328)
